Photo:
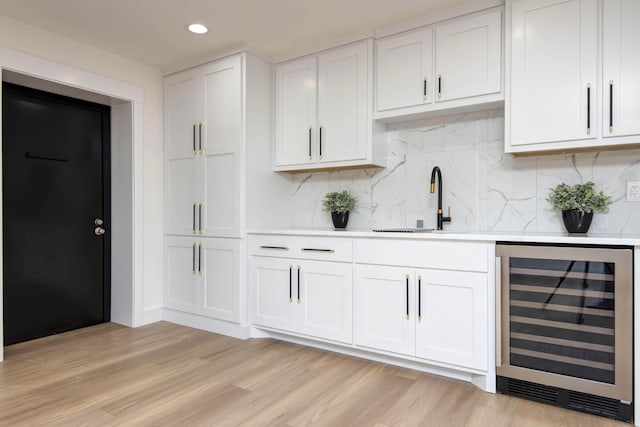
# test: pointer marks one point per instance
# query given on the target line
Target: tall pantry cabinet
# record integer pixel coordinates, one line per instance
(207, 129)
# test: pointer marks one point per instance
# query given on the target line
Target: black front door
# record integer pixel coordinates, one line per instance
(55, 207)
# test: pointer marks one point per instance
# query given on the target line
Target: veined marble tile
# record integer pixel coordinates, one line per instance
(486, 189)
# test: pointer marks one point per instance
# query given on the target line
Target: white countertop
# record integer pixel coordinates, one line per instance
(587, 239)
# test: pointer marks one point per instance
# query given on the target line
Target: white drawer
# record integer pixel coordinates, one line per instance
(443, 255)
(301, 247)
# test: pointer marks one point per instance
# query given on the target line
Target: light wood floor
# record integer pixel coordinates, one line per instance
(164, 374)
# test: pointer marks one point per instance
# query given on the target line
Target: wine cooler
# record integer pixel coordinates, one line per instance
(564, 332)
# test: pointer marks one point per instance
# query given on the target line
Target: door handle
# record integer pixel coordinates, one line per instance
(407, 294)
(99, 231)
(299, 300)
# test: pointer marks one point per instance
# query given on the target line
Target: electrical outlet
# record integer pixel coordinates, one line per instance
(633, 191)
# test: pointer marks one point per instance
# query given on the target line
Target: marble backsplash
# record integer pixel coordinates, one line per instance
(486, 189)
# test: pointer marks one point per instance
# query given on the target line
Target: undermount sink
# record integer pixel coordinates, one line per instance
(403, 230)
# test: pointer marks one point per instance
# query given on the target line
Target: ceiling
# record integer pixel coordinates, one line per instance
(153, 31)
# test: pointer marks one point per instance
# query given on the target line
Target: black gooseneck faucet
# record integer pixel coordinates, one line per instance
(432, 189)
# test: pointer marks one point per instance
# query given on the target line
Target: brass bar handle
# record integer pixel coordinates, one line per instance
(193, 258)
(281, 248)
(588, 108)
(299, 300)
(498, 312)
(310, 130)
(439, 85)
(317, 250)
(419, 298)
(290, 283)
(610, 106)
(407, 295)
(200, 258)
(320, 142)
(193, 228)
(200, 218)
(200, 137)
(424, 89)
(194, 140)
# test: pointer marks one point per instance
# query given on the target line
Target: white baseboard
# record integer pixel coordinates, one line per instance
(152, 315)
(480, 380)
(206, 324)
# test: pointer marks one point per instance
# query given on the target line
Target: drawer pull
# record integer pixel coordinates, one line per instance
(317, 250)
(281, 248)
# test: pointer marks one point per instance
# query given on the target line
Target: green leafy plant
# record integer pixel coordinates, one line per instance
(582, 197)
(338, 201)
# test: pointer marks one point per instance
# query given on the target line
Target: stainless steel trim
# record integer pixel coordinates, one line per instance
(552, 273)
(560, 341)
(498, 289)
(565, 308)
(570, 292)
(563, 359)
(561, 325)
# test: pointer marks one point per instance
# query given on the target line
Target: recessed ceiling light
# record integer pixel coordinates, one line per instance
(197, 28)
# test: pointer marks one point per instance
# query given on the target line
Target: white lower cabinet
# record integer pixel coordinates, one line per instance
(424, 301)
(437, 315)
(203, 276)
(308, 297)
(452, 322)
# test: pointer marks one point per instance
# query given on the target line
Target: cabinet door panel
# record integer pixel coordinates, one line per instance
(381, 309)
(553, 61)
(468, 56)
(272, 280)
(180, 115)
(326, 306)
(342, 104)
(179, 272)
(621, 37)
(221, 195)
(221, 279)
(405, 70)
(223, 106)
(454, 323)
(181, 195)
(295, 112)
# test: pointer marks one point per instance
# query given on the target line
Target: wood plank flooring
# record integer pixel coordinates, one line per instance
(170, 375)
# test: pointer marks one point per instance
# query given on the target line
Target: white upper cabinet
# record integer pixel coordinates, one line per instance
(553, 71)
(204, 149)
(454, 65)
(405, 70)
(323, 111)
(572, 74)
(621, 71)
(295, 112)
(468, 57)
(343, 104)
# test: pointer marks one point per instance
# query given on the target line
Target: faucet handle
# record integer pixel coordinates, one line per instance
(448, 217)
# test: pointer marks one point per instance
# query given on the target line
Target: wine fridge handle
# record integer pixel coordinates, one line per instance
(498, 312)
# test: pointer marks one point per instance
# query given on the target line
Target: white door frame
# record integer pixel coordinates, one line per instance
(127, 305)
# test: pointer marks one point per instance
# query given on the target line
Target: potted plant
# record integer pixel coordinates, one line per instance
(339, 204)
(578, 203)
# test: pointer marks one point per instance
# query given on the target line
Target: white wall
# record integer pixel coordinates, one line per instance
(486, 189)
(33, 41)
